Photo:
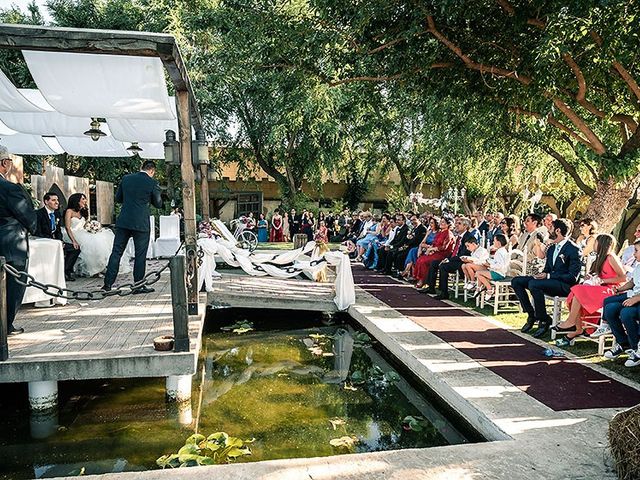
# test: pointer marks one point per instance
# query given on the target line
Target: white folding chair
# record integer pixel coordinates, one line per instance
(169, 240)
(503, 295)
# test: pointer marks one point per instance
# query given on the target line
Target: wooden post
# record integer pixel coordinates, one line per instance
(204, 191)
(179, 301)
(188, 196)
(4, 345)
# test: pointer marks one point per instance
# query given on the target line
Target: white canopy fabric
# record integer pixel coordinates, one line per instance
(139, 130)
(151, 151)
(85, 147)
(106, 86)
(25, 144)
(4, 130)
(11, 100)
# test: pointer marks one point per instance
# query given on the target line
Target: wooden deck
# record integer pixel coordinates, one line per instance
(111, 338)
(243, 291)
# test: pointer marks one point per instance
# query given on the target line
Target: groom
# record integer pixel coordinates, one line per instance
(135, 192)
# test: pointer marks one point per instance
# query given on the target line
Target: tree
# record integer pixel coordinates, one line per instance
(566, 72)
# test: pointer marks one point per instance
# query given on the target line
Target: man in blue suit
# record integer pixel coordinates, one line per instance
(17, 220)
(135, 193)
(560, 273)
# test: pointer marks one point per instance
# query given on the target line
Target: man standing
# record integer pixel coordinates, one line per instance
(48, 226)
(17, 220)
(560, 273)
(295, 222)
(135, 193)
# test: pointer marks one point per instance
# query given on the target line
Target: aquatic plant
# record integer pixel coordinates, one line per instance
(346, 443)
(415, 424)
(240, 327)
(215, 449)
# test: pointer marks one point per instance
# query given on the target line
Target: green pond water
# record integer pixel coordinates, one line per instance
(293, 390)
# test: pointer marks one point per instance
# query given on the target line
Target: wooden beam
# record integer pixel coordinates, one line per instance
(188, 197)
(204, 191)
(105, 42)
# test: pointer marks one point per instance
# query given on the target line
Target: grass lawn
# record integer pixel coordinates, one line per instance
(583, 349)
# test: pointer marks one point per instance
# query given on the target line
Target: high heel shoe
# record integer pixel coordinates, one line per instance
(558, 328)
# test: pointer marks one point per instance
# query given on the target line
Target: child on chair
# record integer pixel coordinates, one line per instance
(474, 262)
(496, 268)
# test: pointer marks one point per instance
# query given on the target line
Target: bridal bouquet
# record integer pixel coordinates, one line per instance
(93, 226)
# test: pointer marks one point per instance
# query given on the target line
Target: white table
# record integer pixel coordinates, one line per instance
(46, 265)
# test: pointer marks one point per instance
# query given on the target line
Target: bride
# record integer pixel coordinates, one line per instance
(95, 246)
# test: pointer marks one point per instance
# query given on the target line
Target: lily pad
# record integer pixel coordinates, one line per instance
(348, 442)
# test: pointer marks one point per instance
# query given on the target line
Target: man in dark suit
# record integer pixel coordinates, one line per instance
(294, 220)
(388, 256)
(49, 223)
(453, 263)
(135, 192)
(415, 236)
(560, 273)
(17, 220)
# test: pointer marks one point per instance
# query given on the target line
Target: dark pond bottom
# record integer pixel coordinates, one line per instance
(293, 390)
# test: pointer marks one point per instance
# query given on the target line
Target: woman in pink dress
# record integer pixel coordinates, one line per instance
(441, 248)
(277, 234)
(587, 298)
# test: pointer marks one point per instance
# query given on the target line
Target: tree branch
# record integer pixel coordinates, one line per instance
(570, 169)
(582, 85)
(497, 71)
(594, 142)
(387, 78)
(393, 42)
(554, 122)
(628, 79)
(631, 145)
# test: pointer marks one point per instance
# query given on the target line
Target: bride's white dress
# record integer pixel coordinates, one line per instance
(95, 249)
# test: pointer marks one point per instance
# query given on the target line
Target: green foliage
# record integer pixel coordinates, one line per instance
(217, 448)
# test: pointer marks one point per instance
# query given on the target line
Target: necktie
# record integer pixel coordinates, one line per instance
(52, 218)
(556, 251)
(457, 247)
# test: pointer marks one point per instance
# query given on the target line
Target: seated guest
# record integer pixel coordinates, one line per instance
(541, 248)
(627, 257)
(441, 248)
(383, 233)
(496, 267)
(587, 238)
(534, 232)
(560, 273)
(415, 235)
(496, 228)
(453, 263)
(427, 240)
(396, 241)
(473, 262)
(605, 275)
(509, 228)
(621, 312)
(322, 234)
(49, 226)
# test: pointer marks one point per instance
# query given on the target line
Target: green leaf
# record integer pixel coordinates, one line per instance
(195, 438)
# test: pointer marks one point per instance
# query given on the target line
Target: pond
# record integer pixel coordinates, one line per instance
(294, 383)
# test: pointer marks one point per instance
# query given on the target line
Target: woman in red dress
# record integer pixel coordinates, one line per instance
(441, 248)
(587, 298)
(277, 233)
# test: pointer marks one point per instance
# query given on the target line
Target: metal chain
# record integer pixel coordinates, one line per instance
(24, 278)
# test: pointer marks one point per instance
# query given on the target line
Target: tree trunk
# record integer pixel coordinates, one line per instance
(609, 202)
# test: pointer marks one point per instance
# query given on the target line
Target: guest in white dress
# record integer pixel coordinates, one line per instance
(95, 246)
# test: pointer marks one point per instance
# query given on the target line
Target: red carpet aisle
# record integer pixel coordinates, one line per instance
(559, 384)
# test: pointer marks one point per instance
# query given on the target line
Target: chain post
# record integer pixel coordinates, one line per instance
(179, 301)
(192, 276)
(4, 343)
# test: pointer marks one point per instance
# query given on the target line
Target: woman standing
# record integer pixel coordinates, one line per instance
(276, 228)
(263, 226)
(285, 227)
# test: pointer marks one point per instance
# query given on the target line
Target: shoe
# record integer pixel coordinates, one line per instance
(442, 296)
(615, 352)
(478, 291)
(567, 341)
(560, 329)
(141, 290)
(13, 331)
(431, 291)
(603, 329)
(106, 288)
(488, 294)
(469, 286)
(529, 325)
(634, 359)
(69, 277)
(542, 330)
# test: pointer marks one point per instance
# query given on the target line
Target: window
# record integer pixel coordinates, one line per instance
(249, 202)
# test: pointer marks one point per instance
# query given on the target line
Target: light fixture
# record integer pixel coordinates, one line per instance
(135, 148)
(94, 132)
(171, 148)
(199, 149)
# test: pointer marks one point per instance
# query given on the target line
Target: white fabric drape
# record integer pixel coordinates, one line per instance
(139, 130)
(152, 151)
(11, 100)
(85, 147)
(46, 123)
(4, 130)
(107, 86)
(256, 265)
(24, 144)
